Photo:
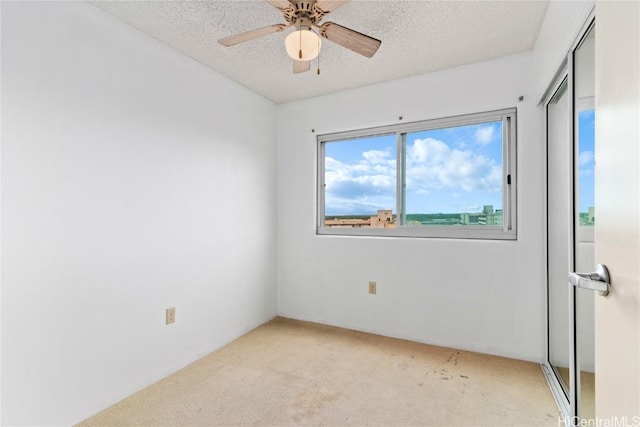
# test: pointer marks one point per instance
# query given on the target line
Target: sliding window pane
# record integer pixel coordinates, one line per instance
(360, 182)
(454, 176)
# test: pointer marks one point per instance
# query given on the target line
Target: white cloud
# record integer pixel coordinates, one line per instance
(433, 165)
(377, 170)
(586, 158)
(377, 157)
(370, 183)
(365, 186)
(485, 135)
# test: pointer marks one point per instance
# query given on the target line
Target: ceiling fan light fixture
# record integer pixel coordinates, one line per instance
(305, 41)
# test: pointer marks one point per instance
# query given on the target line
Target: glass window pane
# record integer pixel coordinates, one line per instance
(586, 164)
(360, 182)
(454, 176)
(445, 179)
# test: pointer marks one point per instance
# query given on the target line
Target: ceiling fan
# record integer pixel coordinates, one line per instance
(304, 43)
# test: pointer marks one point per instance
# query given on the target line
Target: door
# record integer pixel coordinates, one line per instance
(559, 239)
(583, 372)
(611, 325)
(617, 225)
(570, 231)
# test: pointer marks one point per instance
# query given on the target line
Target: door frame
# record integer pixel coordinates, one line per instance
(568, 405)
(557, 389)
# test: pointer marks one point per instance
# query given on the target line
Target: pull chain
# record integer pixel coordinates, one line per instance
(300, 45)
(318, 72)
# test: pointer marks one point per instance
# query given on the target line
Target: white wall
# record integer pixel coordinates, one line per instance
(559, 30)
(133, 179)
(486, 296)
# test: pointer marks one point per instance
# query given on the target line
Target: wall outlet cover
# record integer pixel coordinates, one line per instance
(171, 315)
(372, 288)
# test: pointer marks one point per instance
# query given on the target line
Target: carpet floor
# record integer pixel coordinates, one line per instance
(287, 372)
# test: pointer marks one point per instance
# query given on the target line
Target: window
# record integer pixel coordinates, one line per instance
(585, 136)
(452, 177)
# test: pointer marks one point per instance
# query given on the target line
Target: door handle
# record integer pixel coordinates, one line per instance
(598, 281)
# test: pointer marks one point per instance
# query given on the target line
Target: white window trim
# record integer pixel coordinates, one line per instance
(508, 231)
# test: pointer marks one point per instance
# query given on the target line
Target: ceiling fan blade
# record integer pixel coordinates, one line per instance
(250, 35)
(280, 4)
(330, 5)
(301, 66)
(353, 40)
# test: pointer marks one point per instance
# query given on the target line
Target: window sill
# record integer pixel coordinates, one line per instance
(474, 232)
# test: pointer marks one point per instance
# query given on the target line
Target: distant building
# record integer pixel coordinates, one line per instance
(469, 218)
(347, 223)
(487, 217)
(383, 219)
(386, 219)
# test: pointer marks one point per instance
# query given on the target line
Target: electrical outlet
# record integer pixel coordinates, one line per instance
(372, 288)
(171, 315)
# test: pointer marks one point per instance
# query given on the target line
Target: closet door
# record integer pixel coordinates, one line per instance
(559, 236)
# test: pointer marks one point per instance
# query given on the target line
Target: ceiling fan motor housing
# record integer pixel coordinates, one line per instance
(301, 12)
(305, 16)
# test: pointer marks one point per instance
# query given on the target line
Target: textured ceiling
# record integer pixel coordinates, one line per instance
(417, 37)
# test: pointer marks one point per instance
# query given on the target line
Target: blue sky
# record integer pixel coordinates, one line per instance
(448, 170)
(586, 149)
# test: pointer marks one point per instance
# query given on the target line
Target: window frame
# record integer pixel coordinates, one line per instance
(508, 230)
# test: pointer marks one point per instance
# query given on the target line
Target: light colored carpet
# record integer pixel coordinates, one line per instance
(288, 372)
